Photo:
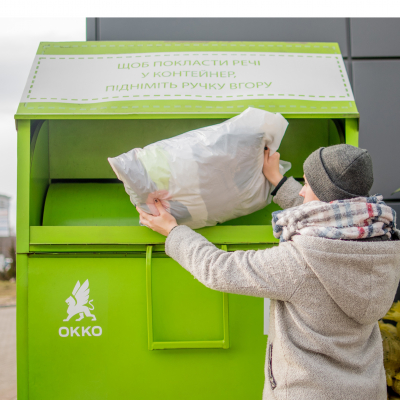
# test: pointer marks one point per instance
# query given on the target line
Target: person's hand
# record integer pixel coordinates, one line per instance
(162, 223)
(271, 167)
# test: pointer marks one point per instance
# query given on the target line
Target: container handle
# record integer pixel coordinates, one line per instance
(200, 344)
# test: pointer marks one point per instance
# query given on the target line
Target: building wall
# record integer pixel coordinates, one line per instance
(370, 47)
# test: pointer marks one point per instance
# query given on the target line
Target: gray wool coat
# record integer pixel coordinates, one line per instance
(326, 298)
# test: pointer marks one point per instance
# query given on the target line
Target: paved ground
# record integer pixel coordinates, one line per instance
(7, 293)
(8, 375)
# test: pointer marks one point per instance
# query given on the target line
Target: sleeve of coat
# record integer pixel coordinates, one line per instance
(288, 194)
(272, 273)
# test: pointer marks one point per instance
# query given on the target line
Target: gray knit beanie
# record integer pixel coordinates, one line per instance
(339, 172)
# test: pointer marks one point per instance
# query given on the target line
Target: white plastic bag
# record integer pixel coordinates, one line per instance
(208, 175)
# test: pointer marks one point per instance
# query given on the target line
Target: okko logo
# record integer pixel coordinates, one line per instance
(78, 304)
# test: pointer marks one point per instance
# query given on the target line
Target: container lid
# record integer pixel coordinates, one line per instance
(119, 79)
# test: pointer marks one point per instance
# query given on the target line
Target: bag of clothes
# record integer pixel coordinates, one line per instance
(206, 176)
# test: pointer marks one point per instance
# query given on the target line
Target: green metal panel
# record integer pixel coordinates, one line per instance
(107, 204)
(40, 173)
(79, 149)
(261, 217)
(22, 327)
(302, 137)
(89, 204)
(117, 47)
(169, 324)
(117, 363)
(133, 249)
(180, 115)
(181, 108)
(67, 235)
(61, 367)
(336, 132)
(23, 186)
(225, 313)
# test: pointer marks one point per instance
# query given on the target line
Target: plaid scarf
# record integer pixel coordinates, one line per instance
(357, 218)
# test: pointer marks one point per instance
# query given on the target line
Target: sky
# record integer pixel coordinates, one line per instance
(19, 40)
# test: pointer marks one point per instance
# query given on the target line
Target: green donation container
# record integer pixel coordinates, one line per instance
(102, 312)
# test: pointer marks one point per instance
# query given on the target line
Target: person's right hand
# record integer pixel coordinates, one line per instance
(271, 167)
(162, 223)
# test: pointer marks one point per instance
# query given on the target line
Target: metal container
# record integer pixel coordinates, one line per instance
(147, 329)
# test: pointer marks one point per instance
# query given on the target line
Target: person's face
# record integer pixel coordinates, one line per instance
(307, 192)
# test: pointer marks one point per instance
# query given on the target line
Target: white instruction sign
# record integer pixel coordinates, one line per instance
(187, 76)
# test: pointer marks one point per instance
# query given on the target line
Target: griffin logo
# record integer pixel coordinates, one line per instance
(77, 302)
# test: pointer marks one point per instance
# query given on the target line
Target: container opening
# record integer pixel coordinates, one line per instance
(72, 183)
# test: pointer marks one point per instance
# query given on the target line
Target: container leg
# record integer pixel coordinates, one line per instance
(149, 252)
(351, 131)
(22, 327)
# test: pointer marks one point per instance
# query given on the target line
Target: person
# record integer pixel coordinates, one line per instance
(333, 275)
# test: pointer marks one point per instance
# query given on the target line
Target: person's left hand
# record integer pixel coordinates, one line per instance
(162, 223)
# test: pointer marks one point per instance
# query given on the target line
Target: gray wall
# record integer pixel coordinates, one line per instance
(371, 47)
